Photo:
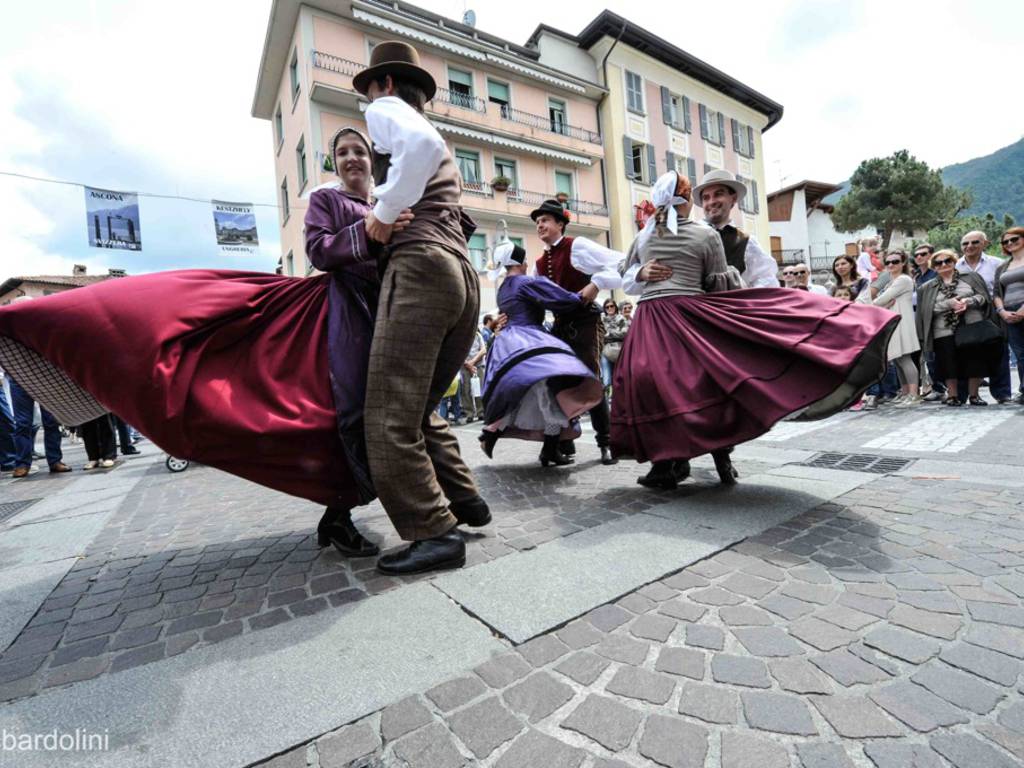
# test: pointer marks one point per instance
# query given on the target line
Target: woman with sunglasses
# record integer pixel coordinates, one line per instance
(844, 270)
(615, 327)
(898, 297)
(943, 304)
(1009, 298)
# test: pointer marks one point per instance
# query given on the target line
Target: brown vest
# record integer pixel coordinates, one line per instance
(735, 243)
(438, 216)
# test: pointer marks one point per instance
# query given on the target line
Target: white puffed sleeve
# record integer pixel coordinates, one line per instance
(601, 263)
(762, 270)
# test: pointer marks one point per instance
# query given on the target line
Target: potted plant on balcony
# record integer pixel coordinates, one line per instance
(328, 164)
(501, 183)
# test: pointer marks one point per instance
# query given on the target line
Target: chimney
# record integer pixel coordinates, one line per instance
(78, 270)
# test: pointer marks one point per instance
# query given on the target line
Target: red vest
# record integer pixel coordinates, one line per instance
(555, 265)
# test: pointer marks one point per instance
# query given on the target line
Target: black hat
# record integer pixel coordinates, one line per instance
(552, 207)
(394, 57)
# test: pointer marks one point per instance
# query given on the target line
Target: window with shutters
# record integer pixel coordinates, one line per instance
(676, 112)
(477, 247)
(641, 162)
(300, 162)
(507, 168)
(749, 203)
(460, 84)
(563, 183)
(556, 112)
(293, 74)
(285, 210)
(498, 93)
(686, 166)
(289, 264)
(634, 92)
(469, 166)
(714, 134)
(742, 140)
(279, 127)
(636, 161)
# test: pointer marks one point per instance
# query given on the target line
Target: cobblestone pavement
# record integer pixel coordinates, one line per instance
(883, 628)
(886, 629)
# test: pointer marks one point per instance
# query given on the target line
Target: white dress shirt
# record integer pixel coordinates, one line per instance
(416, 150)
(762, 270)
(820, 289)
(590, 258)
(986, 268)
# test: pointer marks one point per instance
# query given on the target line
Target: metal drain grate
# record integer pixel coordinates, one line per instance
(9, 509)
(859, 462)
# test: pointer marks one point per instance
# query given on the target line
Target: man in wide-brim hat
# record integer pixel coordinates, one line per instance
(584, 267)
(717, 194)
(426, 319)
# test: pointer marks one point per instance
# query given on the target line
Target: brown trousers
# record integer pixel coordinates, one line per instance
(426, 319)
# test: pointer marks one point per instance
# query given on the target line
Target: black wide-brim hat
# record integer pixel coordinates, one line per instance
(552, 207)
(398, 59)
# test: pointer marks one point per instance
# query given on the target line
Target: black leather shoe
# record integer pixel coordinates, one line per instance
(473, 512)
(606, 456)
(727, 473)
(681, 469)
(551, 453)
(488, 439)
(661, 476)
(568, 447)
(445, 551)
(130, 451)
(337, 529)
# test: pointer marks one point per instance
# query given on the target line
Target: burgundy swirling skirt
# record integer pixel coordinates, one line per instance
(700, 373)
(226, 368)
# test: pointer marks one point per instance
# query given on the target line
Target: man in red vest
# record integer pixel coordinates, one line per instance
(582, 329)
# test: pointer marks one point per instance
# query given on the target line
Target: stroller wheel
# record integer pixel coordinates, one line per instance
(176, 465)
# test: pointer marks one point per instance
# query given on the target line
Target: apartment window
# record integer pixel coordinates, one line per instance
(712, 126)
(498, 93)
(641, 164)
(634, 92)
(469, 167)
(460, 84)
(684, 166)
(289, 264)
(675, 110)
(293, 73)
(278, 127)
(370, 45)
(517, 241)
(300, 161)
(507, 168)
(285, 211)
(742, 139)
(563, 183)
(749, 203)
(556, 112)
(477, 247)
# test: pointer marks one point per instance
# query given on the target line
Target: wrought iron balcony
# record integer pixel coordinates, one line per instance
(478, 188)
(548, 124)
(789, 256)
(528, 197)
(333, 63)
(461, 100)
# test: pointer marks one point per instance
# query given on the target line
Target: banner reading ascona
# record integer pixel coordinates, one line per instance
(112, 219)
(235, 224)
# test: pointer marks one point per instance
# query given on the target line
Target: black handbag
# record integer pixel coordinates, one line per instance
(980, 334)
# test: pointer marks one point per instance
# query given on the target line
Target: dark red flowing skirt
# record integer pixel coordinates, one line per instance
(225, 368)
(700, 373)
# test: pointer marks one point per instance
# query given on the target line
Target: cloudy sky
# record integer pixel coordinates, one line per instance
(155, 97)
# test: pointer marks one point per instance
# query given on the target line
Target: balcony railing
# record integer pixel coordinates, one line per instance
(461, 100)
(332, 63)
(478, 188)
(789, 256)
(528, 197)
(548, 124)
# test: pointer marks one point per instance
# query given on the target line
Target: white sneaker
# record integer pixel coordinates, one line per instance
(870, 402)
(107, 463)
(89, 465)
(910, 401)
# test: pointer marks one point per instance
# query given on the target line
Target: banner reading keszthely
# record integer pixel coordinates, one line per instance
(235, 224)
(112, 219)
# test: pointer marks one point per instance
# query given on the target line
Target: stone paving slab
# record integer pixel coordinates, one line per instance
(259, 694)
(22, 590)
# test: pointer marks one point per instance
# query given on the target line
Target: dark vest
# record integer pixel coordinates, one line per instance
(735, 243)
(556, 265)
(439, 217)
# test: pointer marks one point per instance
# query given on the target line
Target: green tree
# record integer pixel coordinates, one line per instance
(950, 234)
(897, 193)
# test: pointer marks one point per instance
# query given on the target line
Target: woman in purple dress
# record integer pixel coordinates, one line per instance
(705, 366)
(336, 243)
(535, 386)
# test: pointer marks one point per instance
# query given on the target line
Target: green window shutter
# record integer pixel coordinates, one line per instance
(703, 122)
(497, 91)
(735, 136)
(652, 164)
(757, 202)
(666, 106)
(460, 77)
(750, 141)
(691, 171)
(721, 130)
(627, 156)
(687, 124)
(670, 161)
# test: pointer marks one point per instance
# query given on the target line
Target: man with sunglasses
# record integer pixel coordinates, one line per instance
(974, 259)
(802, 280)
(788, 279)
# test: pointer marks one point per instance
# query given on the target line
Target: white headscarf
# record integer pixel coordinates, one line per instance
(664, 196)
(504, 257)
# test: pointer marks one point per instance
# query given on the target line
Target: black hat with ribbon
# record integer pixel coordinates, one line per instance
(552, 208)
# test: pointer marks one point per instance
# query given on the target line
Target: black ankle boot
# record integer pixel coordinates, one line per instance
(488, 439)
(445, 551)
(337, 529)
(661, 476)
(550, 453)
(727, 473)
(568, 448)
(606, 456)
